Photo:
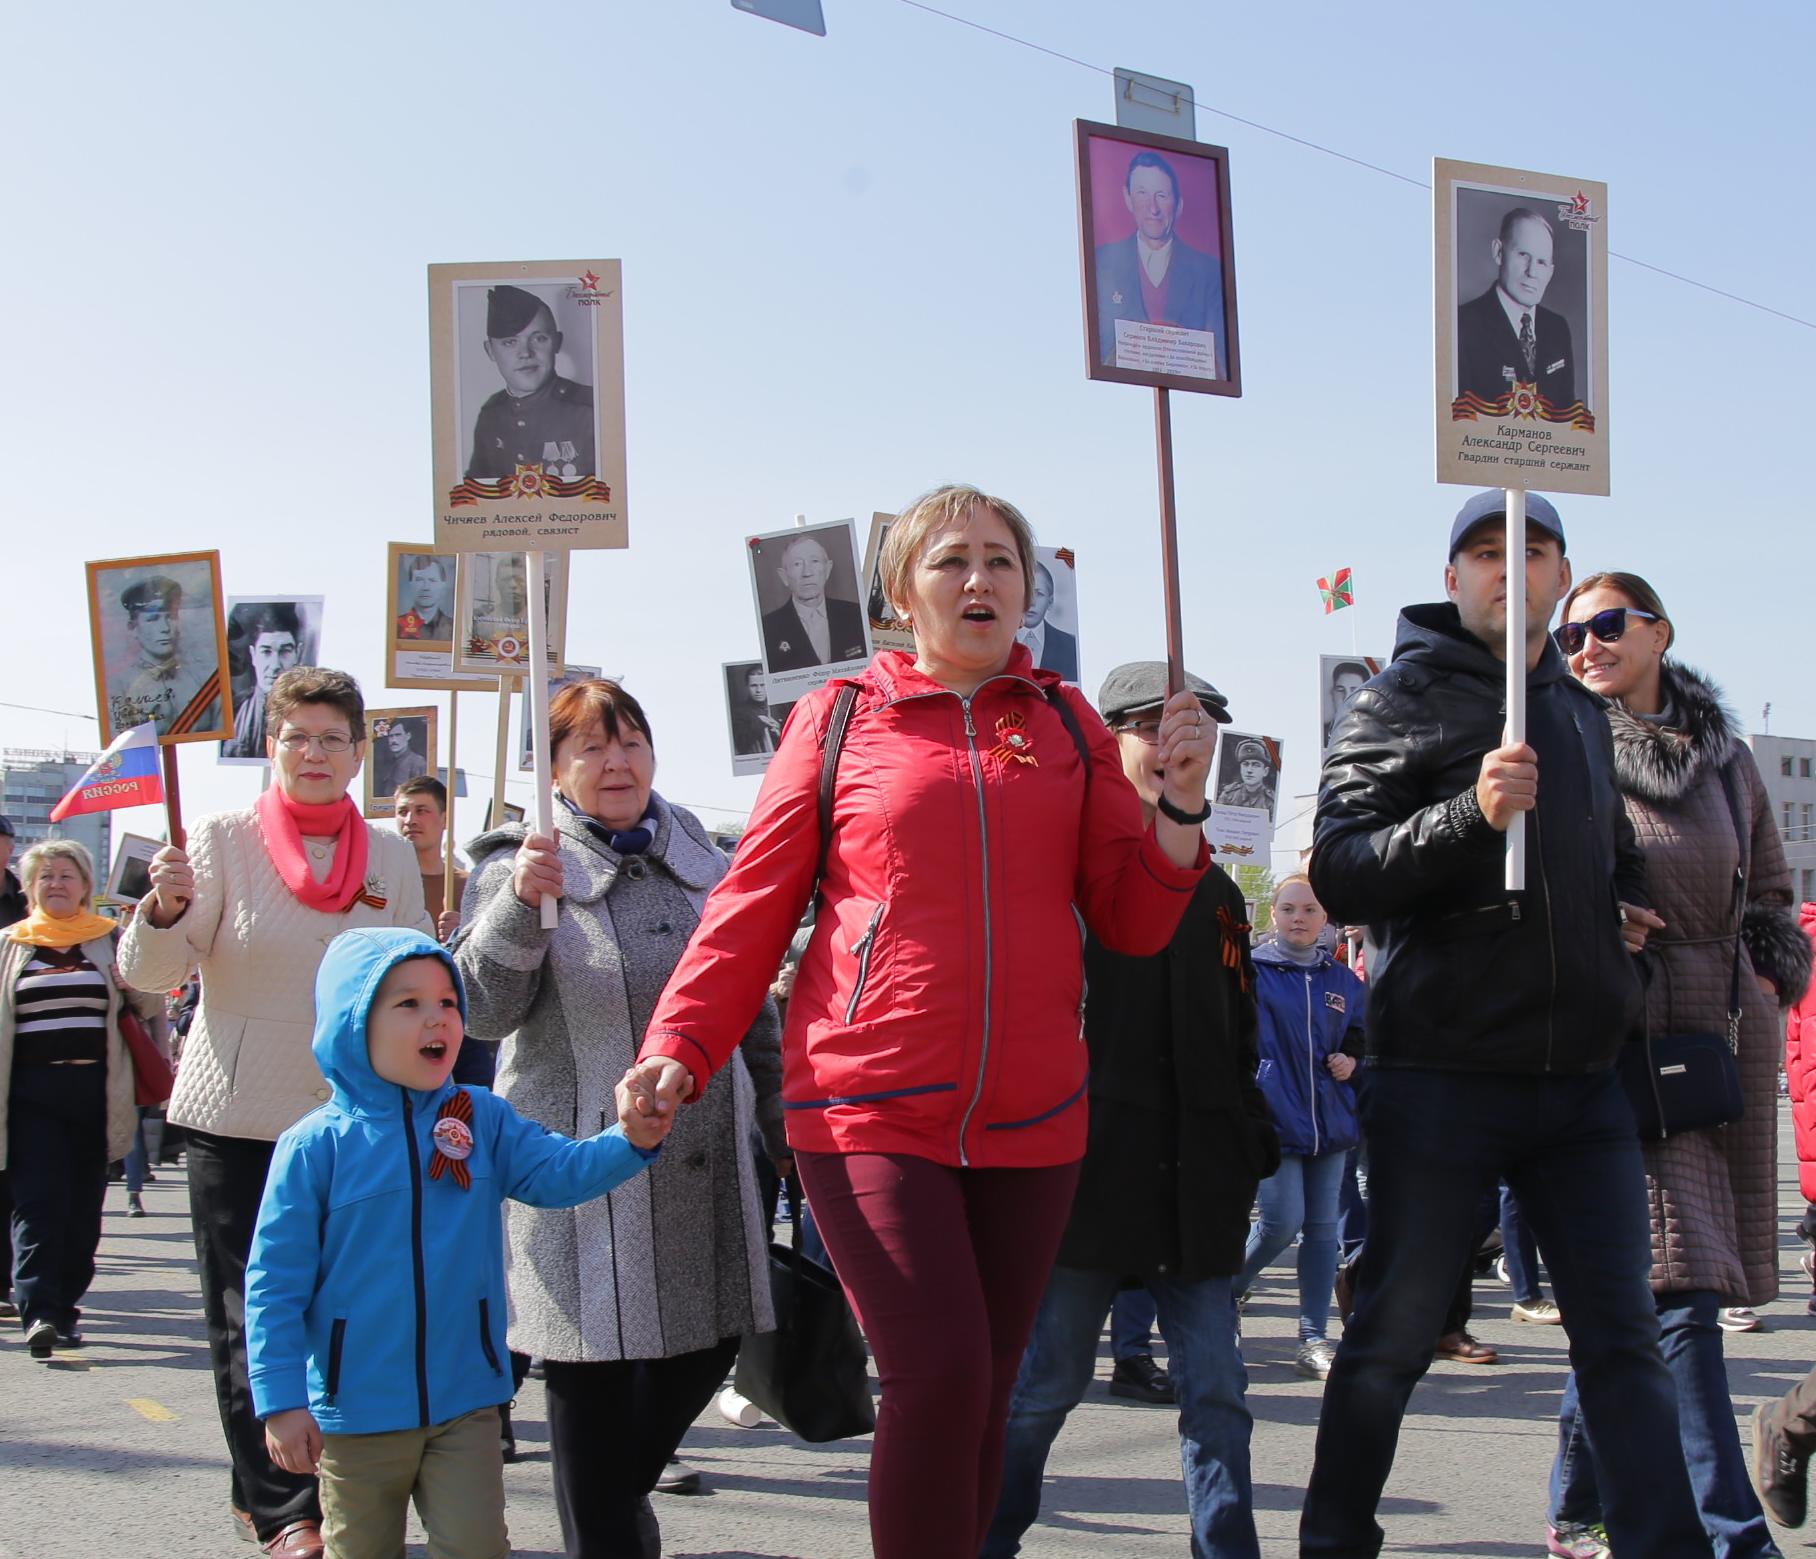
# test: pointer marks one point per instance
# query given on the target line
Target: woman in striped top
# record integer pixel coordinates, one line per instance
(66, 1086)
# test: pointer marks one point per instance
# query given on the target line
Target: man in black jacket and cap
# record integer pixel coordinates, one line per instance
(540, 418)
(1179, 1139)
(1495, 1017)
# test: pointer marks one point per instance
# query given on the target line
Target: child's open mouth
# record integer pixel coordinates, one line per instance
(435, 1049)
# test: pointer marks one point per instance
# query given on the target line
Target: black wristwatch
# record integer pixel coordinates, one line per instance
(1188, 819)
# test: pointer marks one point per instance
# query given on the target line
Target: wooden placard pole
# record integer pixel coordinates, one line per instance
(1169, 540)
(503, 755)
(537, 687)
(1516, 668)
(173, 797)
(447, 837)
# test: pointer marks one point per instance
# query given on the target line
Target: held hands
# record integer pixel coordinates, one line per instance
(643, 1127)
(172, 886)
(658, 1085)
(1636, 925)
(1340, 1066)
(1187, 735)
(294, 1440)
(1509, 784)
(537, 870)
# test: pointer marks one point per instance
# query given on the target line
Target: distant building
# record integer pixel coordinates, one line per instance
(1788, 766)
(31, 783)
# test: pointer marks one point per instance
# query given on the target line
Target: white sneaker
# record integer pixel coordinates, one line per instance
(1739, 1318)
(1315, 1357)
(1539, 1312)
(1500, 1270)
(739, 1410)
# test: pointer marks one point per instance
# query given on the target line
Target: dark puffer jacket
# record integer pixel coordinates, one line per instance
(1179, 1132)
(1714, 1193)
(1463, 974)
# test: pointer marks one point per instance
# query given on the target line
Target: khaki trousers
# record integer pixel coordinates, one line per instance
(454, 1472)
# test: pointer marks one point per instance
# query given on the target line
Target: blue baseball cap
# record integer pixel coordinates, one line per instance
(1492, 505)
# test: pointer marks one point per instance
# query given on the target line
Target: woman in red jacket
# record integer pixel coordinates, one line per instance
(934, 1064)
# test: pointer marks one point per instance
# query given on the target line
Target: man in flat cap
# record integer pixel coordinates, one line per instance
(1179, 1139)
(159, 686)
(1253, 786)
(539, 418)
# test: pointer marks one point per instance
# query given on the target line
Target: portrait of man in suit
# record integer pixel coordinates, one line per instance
(1506, 336)
(812, 627)
(1051, 646)
(1154, 275)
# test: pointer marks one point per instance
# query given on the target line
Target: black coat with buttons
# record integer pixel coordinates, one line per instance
(1180, 1135)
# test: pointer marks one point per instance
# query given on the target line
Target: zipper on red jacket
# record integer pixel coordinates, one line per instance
(983, 827)
(422, 1304)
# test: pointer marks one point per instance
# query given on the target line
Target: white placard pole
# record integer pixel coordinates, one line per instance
(447, 834)
(1516, 669)
(503, 754)
(537, 687)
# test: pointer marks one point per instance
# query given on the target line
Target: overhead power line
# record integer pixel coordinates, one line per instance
(1341, 156)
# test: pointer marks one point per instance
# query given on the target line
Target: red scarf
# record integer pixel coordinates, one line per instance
(284, 824)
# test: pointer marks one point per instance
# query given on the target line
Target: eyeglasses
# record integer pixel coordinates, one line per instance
(1144, 730)
(1607, 626)
(299, 741)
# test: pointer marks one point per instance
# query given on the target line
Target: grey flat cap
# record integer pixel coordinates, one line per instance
(1142, 684)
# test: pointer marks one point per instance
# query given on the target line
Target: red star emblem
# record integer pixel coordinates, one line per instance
(1579, 204)
(590, 282)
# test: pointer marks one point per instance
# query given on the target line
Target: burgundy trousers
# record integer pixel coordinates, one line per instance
(945, 1268)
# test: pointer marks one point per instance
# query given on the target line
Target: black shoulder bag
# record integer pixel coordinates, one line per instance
(1690, 1082)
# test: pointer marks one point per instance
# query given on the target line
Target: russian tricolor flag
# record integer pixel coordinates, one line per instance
(126, 775)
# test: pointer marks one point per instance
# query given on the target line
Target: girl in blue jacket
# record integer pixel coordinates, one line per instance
(375, 1293)
(1311, 1010)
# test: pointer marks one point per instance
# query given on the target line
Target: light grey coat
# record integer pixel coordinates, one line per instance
(675, 1259)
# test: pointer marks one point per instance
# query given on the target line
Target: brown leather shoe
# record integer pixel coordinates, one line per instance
(299, 1540)
(1464, 1349)
(242, 1524)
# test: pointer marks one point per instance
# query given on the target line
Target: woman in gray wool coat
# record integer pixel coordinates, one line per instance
(1713, 1192)
(636, 1301)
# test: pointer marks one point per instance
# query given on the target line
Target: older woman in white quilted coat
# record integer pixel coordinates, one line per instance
(1700, 811)
(253, 904)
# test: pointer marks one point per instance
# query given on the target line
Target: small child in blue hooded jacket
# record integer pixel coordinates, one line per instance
(375, 1293)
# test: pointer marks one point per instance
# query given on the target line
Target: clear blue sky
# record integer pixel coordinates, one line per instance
(851, 272)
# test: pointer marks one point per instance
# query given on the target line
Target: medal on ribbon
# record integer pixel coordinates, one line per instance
(1013, 741)
(453, 1138)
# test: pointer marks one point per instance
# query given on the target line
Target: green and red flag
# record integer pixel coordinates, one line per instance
(1338, 591)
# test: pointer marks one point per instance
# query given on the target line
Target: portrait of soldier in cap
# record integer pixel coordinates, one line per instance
(158, 684)
(425, 589)
(1246, 773)
(540, 418)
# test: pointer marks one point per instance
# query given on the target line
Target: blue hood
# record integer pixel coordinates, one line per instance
(345, 986)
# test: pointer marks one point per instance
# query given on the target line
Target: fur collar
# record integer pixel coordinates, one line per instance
(1660, 760)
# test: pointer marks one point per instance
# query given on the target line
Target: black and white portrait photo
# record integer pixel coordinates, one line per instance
(424, 585)
(1520, 268)
(1248, 772)
(400, 745)
(130, 879)
(755, 728)
(160, 645)
(887, 631)
(526, 756)
(1522, 293)
(1050, 626)
(526, 390)
(805, 583)
(491, 612)
(266, 636)
(1340, 678)
(524, 374)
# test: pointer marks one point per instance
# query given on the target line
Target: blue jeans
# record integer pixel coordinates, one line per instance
(1301, 1194)
(1521, 1251)
(1132, 1318)
(1711, 1443)
(147, 1138)
(1198, 1321)
(1352, 1204)
(1566, 1144)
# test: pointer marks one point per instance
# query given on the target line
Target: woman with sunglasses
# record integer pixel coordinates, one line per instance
(1714, 1195)
(253, 903)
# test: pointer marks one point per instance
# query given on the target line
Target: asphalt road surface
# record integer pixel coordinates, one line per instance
(116, 1449)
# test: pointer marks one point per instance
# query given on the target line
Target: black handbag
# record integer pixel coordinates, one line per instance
(812, 1373)
(1690, 1082)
